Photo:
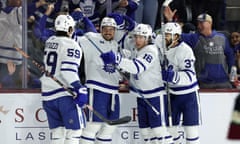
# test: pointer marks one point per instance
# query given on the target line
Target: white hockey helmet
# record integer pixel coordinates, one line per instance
(64, 22)
(107, 21)
(143, 30)
(172, 28)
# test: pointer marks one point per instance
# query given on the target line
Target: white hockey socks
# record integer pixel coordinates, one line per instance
(89, 133)
(104, 135)
(192, 134)
(145, 132)
(162, 135)
(58, 135)
(177, 137)
(72, 136)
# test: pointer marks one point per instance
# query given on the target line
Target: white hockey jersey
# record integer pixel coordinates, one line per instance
(96, 77)
(62, 59)
(182, 58)
(145, 70)
(11, 35)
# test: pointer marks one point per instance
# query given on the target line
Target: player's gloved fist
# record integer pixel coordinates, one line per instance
(170, 75)
(81, 92)
(77, 15)
(108, 57)
(82, 96)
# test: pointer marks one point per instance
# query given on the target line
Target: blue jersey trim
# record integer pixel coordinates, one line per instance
(105, 140)
(184, 87)
(135, 63)
(87, 138)
(11, 58)
(7, 48)
(71, 63)
(144, 67)
(102, 84)
(68, 69)
(147, 91)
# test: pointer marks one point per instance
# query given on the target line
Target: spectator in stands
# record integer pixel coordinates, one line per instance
(125, 7)
(11, 36)
(92, 9)
(235, 38)
(214, 56)
(188, 28)
(38, 7)
(216, 8)
(235, 42)
(43, 33)
(147, 12)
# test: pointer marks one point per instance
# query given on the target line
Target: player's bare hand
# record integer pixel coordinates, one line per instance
(123, 3)
(40, 3)
(11, 67)
(50, 9)
(168, 13)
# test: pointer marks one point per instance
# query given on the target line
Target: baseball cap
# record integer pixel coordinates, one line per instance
(204, 17)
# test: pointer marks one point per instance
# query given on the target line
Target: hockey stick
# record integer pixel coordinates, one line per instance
(135, 89)
(165, 60)
(121, 120)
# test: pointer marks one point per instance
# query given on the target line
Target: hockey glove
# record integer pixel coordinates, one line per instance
(170, 75)
(119, 19)
(77, 15)
(131, 24)
(82, 94)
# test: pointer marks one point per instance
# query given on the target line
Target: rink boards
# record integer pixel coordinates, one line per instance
(23, 121)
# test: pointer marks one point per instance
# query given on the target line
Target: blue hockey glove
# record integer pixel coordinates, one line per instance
(108, 57)
(82, 94)
(170, 75)
(119, 19)
(131, 24)
(77, 15)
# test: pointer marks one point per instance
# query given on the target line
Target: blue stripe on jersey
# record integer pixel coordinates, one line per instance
(102, 84)
(177, 78)
(134, 61)
(147, 91)
(189, 75)
(184, 87)
(187, 71)
(87, 138)
(68, 69)
(137, 61)
(11, 58)
(104, 140)
(8, 48)
(53, 92)
(71, 63)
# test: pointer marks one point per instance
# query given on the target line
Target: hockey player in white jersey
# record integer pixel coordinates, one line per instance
(179, 73)
(102, 82)
(62, 59)
(146, 82)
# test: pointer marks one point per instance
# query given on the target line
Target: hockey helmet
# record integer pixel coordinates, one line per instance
(172, 28)
(107, 21)
(119, 20)
(64, 22)
(143, 30)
